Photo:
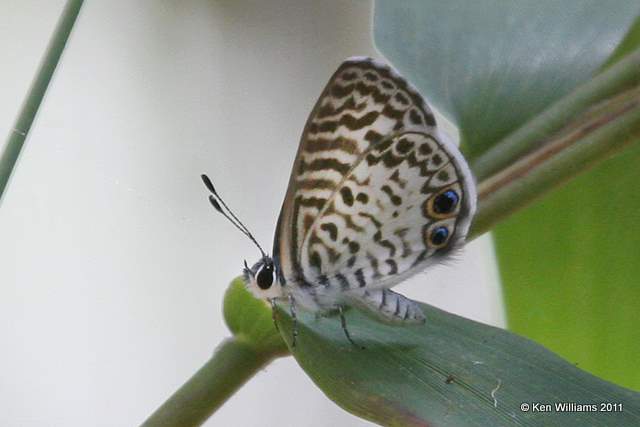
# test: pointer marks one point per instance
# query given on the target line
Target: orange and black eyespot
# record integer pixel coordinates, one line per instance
(444, 204)
(439, 236)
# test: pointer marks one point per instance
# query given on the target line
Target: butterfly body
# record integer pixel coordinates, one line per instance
(377, 193)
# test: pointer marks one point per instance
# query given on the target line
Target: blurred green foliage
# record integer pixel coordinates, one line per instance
(569, 264)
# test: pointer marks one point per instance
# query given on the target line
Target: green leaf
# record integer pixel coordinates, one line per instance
(492, 64)
(630, 42)
(569, 264)
(449, 371)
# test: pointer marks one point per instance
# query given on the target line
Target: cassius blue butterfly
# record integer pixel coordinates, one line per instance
(377, 194)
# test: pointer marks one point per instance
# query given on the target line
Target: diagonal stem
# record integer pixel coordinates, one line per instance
(590, 139)
(232, 364)
(620, 77)
(36, 92)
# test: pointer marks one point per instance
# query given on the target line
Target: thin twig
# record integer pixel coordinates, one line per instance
(31, 104)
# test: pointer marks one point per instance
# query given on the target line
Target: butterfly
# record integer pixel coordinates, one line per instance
(376, 194)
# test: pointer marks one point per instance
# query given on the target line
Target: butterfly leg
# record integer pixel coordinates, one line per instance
(343, 322)
(294, 318)
(273, 313)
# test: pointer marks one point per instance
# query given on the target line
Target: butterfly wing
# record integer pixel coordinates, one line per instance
(364, 207)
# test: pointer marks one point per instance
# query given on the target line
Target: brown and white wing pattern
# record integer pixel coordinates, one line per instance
(375, 194)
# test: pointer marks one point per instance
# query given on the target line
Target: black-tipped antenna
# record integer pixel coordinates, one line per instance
(215, 200)
(210, 187)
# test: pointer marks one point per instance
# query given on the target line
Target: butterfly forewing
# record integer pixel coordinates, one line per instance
(360, 210)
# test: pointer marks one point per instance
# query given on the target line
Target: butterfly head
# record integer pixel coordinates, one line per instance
(261, 279)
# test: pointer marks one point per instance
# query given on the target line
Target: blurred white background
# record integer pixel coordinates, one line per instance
(112, 263)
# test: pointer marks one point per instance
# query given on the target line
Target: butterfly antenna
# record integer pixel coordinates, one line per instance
(211, 188)
(216, 200)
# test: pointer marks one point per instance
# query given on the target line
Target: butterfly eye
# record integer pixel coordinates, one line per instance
(265, 277)
(446, 202)
(439, 236)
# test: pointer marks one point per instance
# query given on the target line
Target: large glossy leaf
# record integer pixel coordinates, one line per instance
(451, 371)
(492, 64)
(570, 264)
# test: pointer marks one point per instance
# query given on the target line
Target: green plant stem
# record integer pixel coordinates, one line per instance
(36, 92)
(232, 364)
(618, 78)
(593, 138)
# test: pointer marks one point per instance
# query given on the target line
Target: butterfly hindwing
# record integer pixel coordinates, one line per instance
(362, 205)
(380, 225)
